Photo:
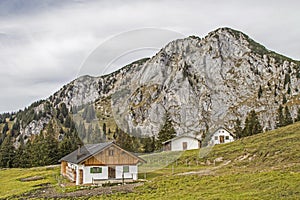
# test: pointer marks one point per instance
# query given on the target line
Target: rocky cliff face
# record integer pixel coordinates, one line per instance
(202, 83)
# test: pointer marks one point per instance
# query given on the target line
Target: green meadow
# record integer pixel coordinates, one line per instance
(263, 166)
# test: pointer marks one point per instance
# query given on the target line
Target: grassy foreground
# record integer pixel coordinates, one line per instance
(12, 183)
(264, 166)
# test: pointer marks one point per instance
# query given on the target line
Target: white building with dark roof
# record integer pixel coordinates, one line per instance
(101, 162)
(181, 143)
(220, 136)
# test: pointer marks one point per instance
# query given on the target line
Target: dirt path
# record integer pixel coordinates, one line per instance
(205, 172)
(50, 192)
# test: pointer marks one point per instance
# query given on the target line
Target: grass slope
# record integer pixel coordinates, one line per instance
(264, 166)
(11, 184)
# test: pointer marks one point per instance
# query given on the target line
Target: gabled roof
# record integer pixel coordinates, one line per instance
(221, 127)
(181, 136)
(89, 150)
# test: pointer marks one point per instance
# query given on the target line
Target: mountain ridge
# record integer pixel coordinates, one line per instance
(203, 82)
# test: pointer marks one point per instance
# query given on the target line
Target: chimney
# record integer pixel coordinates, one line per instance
(79, 150)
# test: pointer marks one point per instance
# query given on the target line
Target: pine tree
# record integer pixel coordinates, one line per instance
(7, 152)
(287, 79)
(260, 91)
(47, 108)
(284, 100)
(148, 144)
(68, 122)
(297, 119)
(44, 149)
(238, 130)
(252, 124)
(288, 90)
(167, 132)
(64, 109)
(104, 128)
(5, 128)
(287, 116)
(26, 160)
(18, 154)
(280, 117)
(68, 144)
(123, 140)
(61, 118)
(65, 146)
(51, 149)
(37, 151)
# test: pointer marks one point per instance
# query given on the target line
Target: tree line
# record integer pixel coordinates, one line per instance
(43, 149)
(253, 126)
(47, 148)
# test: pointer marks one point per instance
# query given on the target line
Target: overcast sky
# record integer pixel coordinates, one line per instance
(43, 44)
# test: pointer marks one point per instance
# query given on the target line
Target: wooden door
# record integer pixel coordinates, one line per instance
(199, 144)
(167, 146)
(184, 145)
(80, 176)
(221, 138)
(111, 172)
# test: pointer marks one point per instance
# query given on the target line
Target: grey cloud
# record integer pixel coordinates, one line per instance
(44, 43)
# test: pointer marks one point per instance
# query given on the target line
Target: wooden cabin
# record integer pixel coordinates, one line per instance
(100, 162)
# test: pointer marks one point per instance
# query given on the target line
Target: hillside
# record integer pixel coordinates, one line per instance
(264, 166)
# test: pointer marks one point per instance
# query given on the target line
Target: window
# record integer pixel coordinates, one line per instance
(227, 137)
(95, 170)
(216, 137)
(111, 152)
(125, 169)
(184, 145)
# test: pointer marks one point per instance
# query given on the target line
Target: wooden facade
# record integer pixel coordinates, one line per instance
(63, 168)
(102, 161)
(113, 155)
(71, 174)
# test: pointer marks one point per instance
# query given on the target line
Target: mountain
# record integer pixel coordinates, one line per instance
(202, 83)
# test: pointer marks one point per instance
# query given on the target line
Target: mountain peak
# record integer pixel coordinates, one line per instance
(254, 46)
(226, 31)
(203, 82)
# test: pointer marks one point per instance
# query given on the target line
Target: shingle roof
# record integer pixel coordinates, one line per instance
(85, 152)
(89, 150)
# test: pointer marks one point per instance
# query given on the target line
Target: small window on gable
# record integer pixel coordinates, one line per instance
(125, 169)
(111, 152)
(95, 170)
(227, 137)
(216, 137)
